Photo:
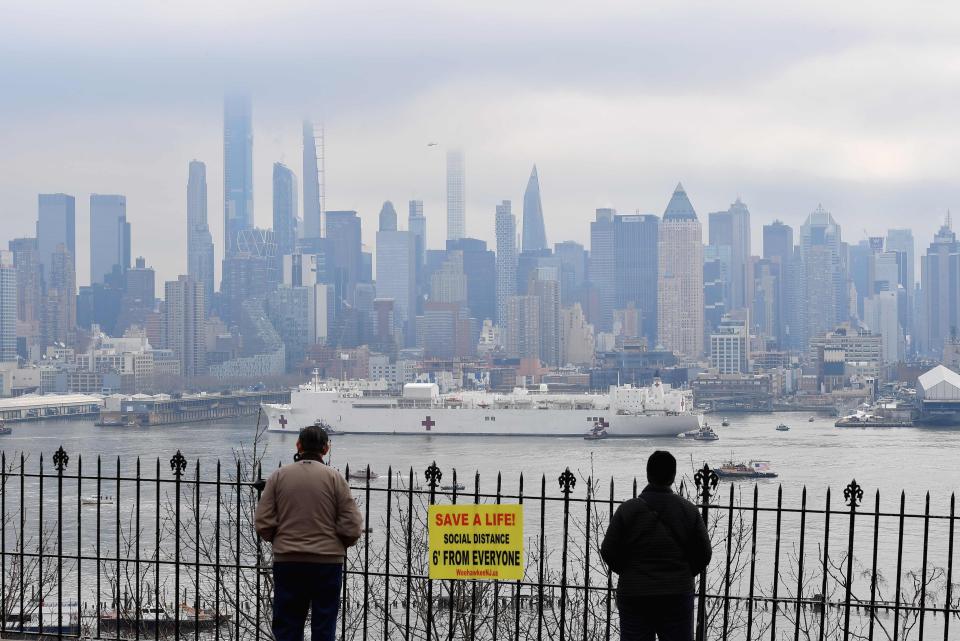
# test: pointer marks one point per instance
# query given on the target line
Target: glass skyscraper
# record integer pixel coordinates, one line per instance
(109, 236)
(199, 240)
(237, 170)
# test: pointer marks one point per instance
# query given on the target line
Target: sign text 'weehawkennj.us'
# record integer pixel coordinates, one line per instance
(476, 542)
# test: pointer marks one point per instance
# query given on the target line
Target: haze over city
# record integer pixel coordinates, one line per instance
(615, 104)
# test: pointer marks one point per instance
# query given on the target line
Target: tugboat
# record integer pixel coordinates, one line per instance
(751, 470)
(96, 500)
(783, 427)
(705, 433)
(810, 420)
(725, 422)
(597, 433)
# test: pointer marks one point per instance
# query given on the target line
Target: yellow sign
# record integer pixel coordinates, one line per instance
(476, 542)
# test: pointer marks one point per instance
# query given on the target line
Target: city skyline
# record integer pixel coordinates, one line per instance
(609, 126)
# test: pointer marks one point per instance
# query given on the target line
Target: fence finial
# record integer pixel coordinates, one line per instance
(60, 459)
(178, 464)
(567, 481)
(853, 494)
(433, 475)
(706, 480)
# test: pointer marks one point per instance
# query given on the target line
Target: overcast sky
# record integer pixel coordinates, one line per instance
(850, 105)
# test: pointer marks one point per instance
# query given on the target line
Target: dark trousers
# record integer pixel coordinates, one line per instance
(298, 587)
(669, 617)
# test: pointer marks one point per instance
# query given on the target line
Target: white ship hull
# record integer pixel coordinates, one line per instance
(347, 415)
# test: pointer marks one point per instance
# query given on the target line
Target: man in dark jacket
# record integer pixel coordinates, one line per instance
(656, 543)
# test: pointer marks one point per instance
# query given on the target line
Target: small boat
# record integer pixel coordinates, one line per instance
(96, 500)
(705, 433)
(363, 475)
(459, 487)
(151, 617)
(725, 422)
(751, 470)
(4, 428)
(783, 427)
(597, 433)
(810, 420)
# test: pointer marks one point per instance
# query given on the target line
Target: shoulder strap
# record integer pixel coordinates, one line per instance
(673, 533)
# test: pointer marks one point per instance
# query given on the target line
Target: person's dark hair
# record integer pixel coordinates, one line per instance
(313, 440)
(661, 468)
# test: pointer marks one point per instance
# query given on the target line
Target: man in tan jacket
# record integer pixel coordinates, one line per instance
(307, 512)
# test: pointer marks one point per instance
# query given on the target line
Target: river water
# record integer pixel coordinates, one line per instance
(812, 454)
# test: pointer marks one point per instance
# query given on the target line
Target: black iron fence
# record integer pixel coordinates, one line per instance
(166, 549)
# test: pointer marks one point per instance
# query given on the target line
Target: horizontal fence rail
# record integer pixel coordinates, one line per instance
(167, 549)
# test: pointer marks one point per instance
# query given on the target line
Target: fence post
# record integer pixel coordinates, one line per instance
(853, 494)
(60, 460)
(706, 480)
(178, 464)
(567, 482)
(432, 475)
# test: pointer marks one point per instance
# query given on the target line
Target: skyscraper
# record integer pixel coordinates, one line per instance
(284, 209)
(573, 271)
(396, 271)
(456, 196)
(778, 246)
(732, 228)
(636, 264)
(8, 307)
(534, 234)
(546, 288)
(506, 231)
(25, 259)
(603, 268)
(417, 224)
(825, 283)
(59, 322)
(345, 255)
(237, 170)
(778, 241)
(940, 278)
(56, 227)
(312, 198)
(521, 328)
(200, 260)
(109, 236)
(183, 324)
(680, 284)
(478, 264)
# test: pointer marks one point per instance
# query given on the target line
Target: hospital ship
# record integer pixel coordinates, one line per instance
(624, 411)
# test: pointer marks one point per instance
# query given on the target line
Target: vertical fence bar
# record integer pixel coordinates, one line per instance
(873, 571)
(496, 583)
(79, 543)
(609, 599)
(196, 558)
(853, 495)
(40, 544)
(567, 482)
(116, 506)
(366, 551)
(386, 575)
(216, 557)
(896, 600)
(60, 460)
(923, 572)
(156, 567)
(726, 572)
(409, 537)
(753, 561)
(432, 476)
(97, 517)
(138, 609)
(800, 558)
(258, 485)
(23, 538)
(237, 484)
(826, 573)
(473, 584)
(177, 465)
(705, 480)
(776, 566)
(543, 507)
(345, 604)
(586, 569)
(948, 602)
(516, 601)
(450, 584)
